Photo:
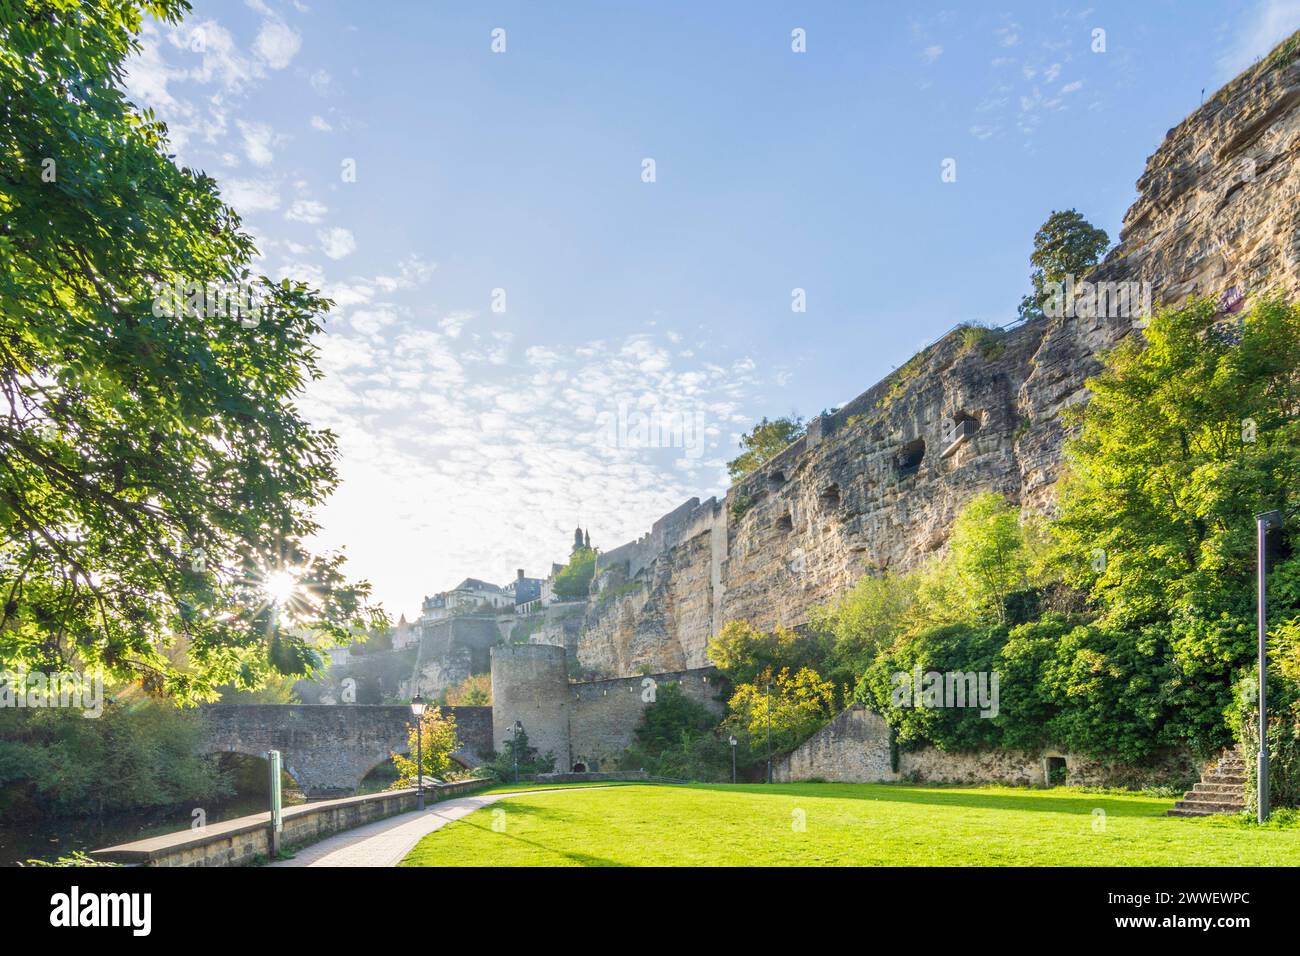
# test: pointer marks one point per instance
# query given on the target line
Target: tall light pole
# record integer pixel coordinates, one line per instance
(1264, 523)
(515, 731)
(733, 759)
(417, 708)
(769, 731)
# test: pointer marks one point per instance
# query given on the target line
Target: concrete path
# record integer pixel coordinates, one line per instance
(385, 842)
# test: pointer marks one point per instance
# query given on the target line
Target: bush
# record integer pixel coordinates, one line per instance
(1283, 721)
(436, 742)
(679, 737)
(951, 647)
(134, 756)
(501, 766)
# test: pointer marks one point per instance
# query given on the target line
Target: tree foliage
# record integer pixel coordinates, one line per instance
(743, 653)
(762, 442)
(799, 703)
(679, 737)
(573, 582)
(437, 733)
(138, 754)
(154, 469)
(1065, 245)
(1183, 441)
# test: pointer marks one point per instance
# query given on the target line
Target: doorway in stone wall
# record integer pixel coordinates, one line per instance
(1056, 771)
(579, 767)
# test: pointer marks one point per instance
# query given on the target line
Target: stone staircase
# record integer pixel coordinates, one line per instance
(1222, 790)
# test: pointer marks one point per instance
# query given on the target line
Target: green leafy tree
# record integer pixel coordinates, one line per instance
(988, 555)
(437, 742)
(762, 442)
(800, 703)
(573, 582)
(1065, 245)
(503, 765)
(155, 474)
(137, 754)
(742, 652)
(950, 647)
(865, 622)
(679, 737)
(1183, 442)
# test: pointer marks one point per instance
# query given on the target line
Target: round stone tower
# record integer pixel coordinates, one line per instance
(530, 684)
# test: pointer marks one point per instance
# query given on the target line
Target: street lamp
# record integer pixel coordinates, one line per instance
(769, 731)
(515, 731)
(1264, 523)
(733, 759)
(417, 708)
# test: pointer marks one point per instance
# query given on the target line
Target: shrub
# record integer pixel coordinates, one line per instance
(437, 741)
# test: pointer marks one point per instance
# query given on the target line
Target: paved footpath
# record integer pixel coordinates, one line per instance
(385, 842)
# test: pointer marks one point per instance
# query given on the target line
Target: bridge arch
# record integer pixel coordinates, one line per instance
(328, 749)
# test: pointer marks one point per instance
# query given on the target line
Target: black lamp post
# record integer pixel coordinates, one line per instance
(417, 708)
(515, 731)
(733, 759)
(769, 731)
(1265, 522)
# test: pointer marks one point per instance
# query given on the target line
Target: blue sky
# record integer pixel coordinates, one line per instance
(517, 303)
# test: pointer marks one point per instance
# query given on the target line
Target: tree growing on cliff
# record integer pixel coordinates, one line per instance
(1065, 245)
(763, 442)
(156, 478)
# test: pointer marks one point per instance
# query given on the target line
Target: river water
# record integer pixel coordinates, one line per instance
(51, 838)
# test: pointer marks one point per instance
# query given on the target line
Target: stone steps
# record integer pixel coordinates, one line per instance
(1222, 789)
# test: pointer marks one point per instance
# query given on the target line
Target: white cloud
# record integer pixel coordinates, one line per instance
(932, 53)
(148, 74)
(1072, 87)
(336, 242)
(277, 44)
(322, 82)
(251, 195)
(220, 61)
(258, 138)
(321, 124)
(453, 323)
(306, 210)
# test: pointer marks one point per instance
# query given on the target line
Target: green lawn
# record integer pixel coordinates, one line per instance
(846, 825)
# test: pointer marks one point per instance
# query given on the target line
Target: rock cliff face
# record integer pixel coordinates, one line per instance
(877, 484)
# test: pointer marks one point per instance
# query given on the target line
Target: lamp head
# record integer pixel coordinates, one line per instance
(417, 705)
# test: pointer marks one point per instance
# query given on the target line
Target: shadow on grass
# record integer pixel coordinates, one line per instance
(585, 859)
(1029, 801)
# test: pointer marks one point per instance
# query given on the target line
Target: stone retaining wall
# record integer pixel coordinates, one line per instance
(247, 840)
(854, 748)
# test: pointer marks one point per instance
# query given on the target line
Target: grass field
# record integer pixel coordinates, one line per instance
(847, 825)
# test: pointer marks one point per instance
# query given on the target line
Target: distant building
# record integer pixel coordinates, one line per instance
(433, 608)
(405, 634)
(523, 589)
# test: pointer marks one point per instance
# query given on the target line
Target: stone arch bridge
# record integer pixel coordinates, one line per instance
(328, 749)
